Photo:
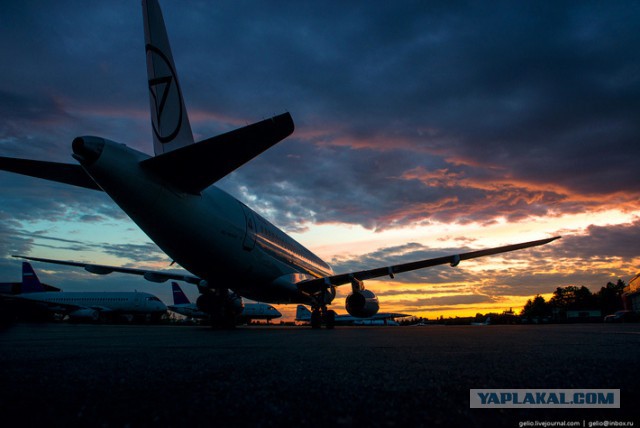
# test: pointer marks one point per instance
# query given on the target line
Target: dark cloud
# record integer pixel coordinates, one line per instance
(31, 199)
(538, 95)
(621, 240)
(11, 241)
(512, 84)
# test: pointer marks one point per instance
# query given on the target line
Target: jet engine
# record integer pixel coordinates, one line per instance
(85, 314)
(362, 304)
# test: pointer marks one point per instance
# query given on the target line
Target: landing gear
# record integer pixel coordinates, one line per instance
(324, 316)
(316, 318)
(222, 318)
(220, 309)
(330, 319)
(319, 312)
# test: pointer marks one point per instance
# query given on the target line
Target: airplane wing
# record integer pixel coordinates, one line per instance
(58, 307)
(308, 286)
(316, 285)
(149, 275)
(60, 172)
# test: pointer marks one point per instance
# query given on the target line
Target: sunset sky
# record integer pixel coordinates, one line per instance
(422, 129)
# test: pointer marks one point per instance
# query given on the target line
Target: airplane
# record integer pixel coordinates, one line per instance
(387, 322)
(303, 314)
(221, 242)
(34, 299)
(485, 322)
(10, 311)
(251, 311)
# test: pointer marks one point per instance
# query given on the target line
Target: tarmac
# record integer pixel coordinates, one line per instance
(191, 376)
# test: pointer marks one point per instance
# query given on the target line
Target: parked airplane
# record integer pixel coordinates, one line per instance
(12, 310)
(25, 284)
(387, 322)
(250, 311)
(222, 243)
(93, 306)
(485, 322)
(382, 318)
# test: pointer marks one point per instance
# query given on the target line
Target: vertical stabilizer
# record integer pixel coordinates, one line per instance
(171, 128)
(30, 281)
(179, 298)
(302, 313)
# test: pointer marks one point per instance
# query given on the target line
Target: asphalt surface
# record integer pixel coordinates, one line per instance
(190, 376)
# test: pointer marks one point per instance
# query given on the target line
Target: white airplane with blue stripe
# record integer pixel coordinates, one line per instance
(221, 242)
(35, 299)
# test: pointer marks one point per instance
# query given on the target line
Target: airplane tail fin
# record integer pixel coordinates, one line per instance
(302, 313)
(30, 281)
(179, 298)
(171, 128)
(190, 166)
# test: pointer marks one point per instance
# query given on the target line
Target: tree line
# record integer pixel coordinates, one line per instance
(537, 310)
(574, 298)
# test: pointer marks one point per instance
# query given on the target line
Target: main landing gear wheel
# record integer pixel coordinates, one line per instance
(323, 316)
(223, 320)
(316, 318)
(330, 319)
(221, 314)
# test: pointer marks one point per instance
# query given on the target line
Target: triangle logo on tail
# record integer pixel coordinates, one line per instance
(171, 128)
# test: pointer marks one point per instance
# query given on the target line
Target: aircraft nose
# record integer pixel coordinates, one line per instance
(87, 149)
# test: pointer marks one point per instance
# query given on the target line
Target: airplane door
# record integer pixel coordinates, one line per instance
(251, 229)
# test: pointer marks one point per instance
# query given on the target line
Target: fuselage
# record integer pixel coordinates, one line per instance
(125, 302)
(250, 311)
(212, 234)
(259, 311)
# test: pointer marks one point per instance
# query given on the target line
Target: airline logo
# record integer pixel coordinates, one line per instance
(166, 96)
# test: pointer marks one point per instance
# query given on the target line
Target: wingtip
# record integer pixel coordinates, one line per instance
(548, 240)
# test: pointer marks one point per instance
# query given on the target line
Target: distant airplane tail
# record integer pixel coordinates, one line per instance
(179, 298)
(302, 313)
(30, 281)
(171, 128)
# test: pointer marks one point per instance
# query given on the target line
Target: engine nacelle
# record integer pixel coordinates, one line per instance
(85, 314)
(362, 304)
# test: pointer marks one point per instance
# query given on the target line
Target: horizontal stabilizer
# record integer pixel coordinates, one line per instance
(60, 172)
(195, 167)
